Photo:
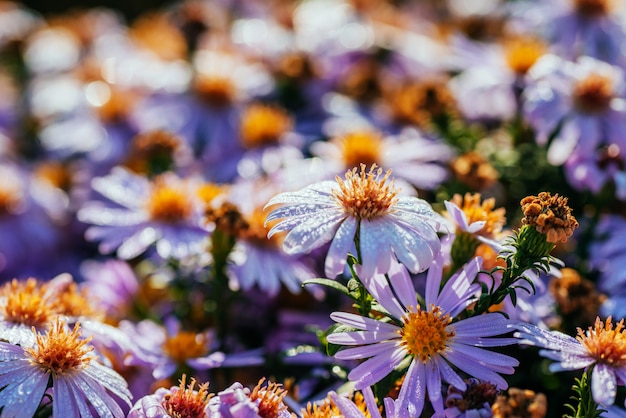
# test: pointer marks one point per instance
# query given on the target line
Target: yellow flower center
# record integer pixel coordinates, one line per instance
(256, 230)
(328, 409)
(207, 192)
(75, 302)
(27, 304)
(475, 211)
(269, 399)
(522, 53)
(186, 402)
(155, 32)
(420, 103)
(593, 94)
(426, 333)
(364, 194)
(60, 351)
(363, 147)
(186, 345)
(604, 343)
(263, 125)
(167, 204)
(593, 8)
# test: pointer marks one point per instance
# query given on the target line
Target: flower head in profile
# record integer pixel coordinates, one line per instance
(356, 405)
(63, 361)
(602, 346)
(430, 336)
(363, 209)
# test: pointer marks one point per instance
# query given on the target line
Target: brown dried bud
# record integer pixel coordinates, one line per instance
(550, 215)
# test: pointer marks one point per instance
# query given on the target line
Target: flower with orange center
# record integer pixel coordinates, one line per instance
(64, 361)
(431, 339)
(262, 125)
(185, 401)
(362, 210)
(355, 405)
(593, 94)
(11, 194)
(492, 220)
(361, 147)
(27, 303)
(269, 399)
(155, 32)
(522, 53)
(214, 89)
(601, 347)
(185, 345)
(168, 204)
(166, 212)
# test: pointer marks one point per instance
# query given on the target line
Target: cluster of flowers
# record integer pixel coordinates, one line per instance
(244, 208)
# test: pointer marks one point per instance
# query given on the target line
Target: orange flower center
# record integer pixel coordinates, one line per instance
(187, 402)
(156, 33)
(605, 343)
(10, 196)
(186, 345)
(216, 90)
(522, 53)
(365, 194)
(167, 204)
(475, 211)
(363, 147)
(269, 399)
(256, 230)
(426, 333)
(593, 94)
(27, 304)
(263, 125)
(60, 351)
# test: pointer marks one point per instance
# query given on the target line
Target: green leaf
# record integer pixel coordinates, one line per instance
(330, 283)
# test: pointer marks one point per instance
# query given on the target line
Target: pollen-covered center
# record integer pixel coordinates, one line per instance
(186, 345)
(60, 350)
(26, 303)
(263, 125)
(365, 194)
(167, 204)
(593, 94)
(269, 399)
(605, 343)
(187, 402)
(522, 53)
(361, 147)
(426, 333)
(215, 89)
(476, 211)
(593, 8)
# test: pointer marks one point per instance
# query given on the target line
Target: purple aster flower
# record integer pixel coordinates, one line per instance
(164, 349)
(167, 212)
(607, 254)
(362, 209)
(177, 401)
(428, 336)
(60, 360)
(602, 347)
(415, 159)
(593, 171)
(577, 27)
(585, 97)
(265, 400)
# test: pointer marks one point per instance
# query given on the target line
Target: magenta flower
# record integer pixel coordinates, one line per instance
(429, 336)
(362, 209)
